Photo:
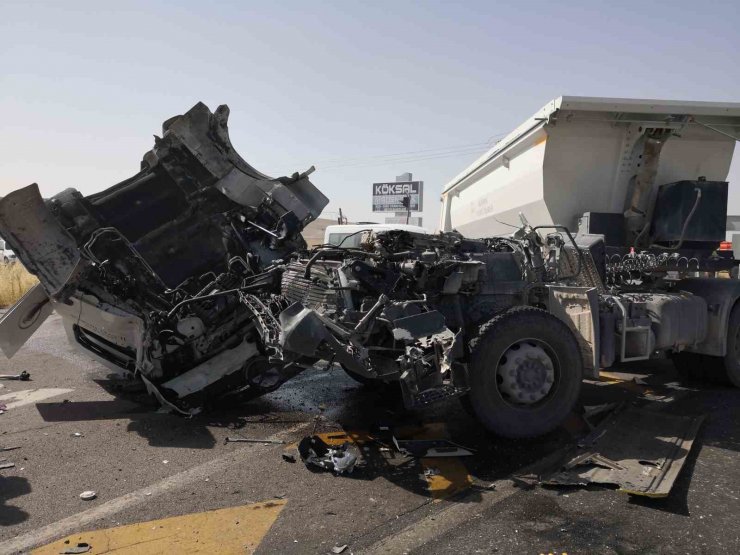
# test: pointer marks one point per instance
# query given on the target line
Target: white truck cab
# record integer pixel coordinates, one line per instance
(350, 235)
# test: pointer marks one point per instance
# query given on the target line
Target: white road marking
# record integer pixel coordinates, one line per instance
(30, 396)
(75, 523)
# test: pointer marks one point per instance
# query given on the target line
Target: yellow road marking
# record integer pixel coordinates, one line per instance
(450, 476)
(629, 385)
(610, 377)
(340, 438)
(231, 530)
(445, 476)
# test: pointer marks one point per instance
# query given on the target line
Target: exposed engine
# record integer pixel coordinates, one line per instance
(395, 308)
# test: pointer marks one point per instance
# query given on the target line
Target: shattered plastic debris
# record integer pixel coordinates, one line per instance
(343, 461)
(315, 452)
(338, 548)
(287, 457)
(3, 466)
(3, 408)
(88, 495)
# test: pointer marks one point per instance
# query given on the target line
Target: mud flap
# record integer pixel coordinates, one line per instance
(579, 308)
(23, 319)
(641, 451)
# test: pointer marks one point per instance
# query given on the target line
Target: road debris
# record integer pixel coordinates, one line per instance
(10, 448)
(316, 452)
(3, 408)
(254, 440)
(287, 457)
(420, 448)
(88, 495)
(76, 434)
(339, 548)
(3, 465)
(23, 376)
(641, 451)
(594, 414)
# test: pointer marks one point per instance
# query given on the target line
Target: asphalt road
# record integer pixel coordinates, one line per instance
(75, 432)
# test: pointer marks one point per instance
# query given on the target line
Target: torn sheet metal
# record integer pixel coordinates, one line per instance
(641, 451)
(23, 319)
(430, 448)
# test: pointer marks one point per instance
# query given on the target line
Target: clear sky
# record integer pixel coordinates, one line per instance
(356, 88)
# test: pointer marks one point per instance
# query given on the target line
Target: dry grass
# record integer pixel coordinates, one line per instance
(14, 282)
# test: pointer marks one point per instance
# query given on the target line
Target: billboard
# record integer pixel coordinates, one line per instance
(388, 197)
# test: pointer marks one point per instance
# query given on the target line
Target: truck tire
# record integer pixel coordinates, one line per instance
(695, 367)
(720, 370)
(530, 394)
(732, 358)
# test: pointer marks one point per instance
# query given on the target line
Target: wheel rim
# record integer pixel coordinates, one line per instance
(527, 373)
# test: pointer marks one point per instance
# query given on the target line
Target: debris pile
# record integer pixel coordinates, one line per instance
(315, 452)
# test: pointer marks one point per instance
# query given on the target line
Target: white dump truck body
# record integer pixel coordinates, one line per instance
(580, 154)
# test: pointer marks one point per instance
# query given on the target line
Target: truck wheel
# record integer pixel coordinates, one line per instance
(732, 358)
(525, 373)
(718, 370)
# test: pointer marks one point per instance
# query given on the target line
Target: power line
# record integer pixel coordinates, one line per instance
(408, 155)
(409, 152)
(407, 160)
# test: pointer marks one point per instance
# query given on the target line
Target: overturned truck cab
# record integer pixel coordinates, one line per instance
(193, 277)
(161, 274)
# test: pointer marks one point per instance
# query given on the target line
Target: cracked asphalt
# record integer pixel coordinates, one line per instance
(145, 465)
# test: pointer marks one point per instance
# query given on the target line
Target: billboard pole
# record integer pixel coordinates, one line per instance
(406, 200)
